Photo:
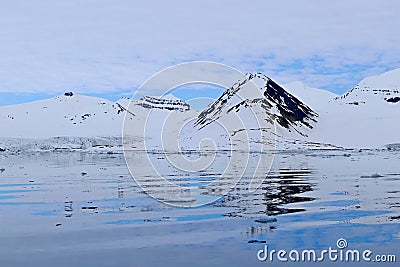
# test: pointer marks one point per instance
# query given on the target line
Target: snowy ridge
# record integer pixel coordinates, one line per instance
(365, 116)
(375, 90)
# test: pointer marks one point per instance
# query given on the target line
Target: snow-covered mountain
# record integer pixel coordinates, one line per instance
(76, 115)
(365, 116)
(64, 115)
(377, 90)
(258, 91)
(77, 121)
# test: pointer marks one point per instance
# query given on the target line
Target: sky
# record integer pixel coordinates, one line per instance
(109, 48)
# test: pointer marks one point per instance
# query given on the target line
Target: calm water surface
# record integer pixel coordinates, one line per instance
(81, 209)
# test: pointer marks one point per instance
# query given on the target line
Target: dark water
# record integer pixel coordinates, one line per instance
(80, 209)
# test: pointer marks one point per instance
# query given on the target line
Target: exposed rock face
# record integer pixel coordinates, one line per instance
(393, 99)
(161, 103)
(279, 105)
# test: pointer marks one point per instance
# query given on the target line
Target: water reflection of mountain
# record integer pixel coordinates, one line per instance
(283, 188)
(279, 189)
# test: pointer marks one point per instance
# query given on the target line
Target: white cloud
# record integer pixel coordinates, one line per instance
(101, 46)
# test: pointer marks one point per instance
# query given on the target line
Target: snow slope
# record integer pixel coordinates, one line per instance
(63, 115)
(313, 97)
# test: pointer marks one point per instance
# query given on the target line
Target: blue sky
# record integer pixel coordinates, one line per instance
(109, 48)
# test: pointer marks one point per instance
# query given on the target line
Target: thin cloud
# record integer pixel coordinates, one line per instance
(105, 46)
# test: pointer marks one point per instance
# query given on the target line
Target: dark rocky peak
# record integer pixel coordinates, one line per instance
(291, 112)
